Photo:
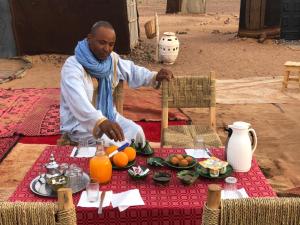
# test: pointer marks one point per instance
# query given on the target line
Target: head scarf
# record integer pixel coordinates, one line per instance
(102, 70)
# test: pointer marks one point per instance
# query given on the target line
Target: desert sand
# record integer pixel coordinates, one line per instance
(209, 42)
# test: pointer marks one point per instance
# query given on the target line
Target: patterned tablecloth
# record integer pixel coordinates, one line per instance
(172, 204)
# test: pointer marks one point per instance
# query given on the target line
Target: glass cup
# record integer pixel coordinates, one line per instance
(92, 191)
(63, 167)
(230, 184)
(75, 176)
(198, 141)
(100, 145)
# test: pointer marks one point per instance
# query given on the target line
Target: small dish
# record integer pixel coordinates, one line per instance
(161, 177)
(146, 151)
(58, 182)
(155, 161)
(229, 170)
(138, 176)
(187, 176)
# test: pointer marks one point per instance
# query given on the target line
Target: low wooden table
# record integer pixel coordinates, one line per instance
(174, 203)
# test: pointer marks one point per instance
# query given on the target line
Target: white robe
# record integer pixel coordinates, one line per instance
(78, 116)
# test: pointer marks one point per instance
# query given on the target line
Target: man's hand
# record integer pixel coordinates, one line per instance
(112, 130)
(164, 74)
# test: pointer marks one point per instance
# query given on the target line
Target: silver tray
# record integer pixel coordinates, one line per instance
(43, 189)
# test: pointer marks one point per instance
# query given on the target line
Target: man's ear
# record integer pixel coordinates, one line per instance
(89, 37)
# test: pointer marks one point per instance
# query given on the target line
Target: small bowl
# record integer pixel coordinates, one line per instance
(161, 177)
(187, 176)
(58, 182)
(138, 177)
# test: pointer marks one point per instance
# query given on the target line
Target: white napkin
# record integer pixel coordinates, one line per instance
(83, 201)
(197, 153)
(84, 152)
(126, 199)
(240, 193)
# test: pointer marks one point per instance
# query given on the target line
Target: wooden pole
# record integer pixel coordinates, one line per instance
(214, 196)
(157, 38)
(65, 200)
(164, 103)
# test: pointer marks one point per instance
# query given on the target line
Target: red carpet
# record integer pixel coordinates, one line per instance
(6, 144)
(50, 140)
(30, 111)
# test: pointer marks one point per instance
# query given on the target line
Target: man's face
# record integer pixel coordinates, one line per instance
(102, 42)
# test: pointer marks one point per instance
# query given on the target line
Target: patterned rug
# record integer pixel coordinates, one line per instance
(6, 144)
(32, 112)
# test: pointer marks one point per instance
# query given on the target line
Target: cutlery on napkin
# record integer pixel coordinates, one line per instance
(198, 153)
(83, 152)
(122, 200)
(84, 202)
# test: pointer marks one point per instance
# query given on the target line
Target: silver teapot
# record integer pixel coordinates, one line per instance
(52, 168)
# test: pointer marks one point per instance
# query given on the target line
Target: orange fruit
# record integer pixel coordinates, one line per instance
(111, 149)
(120, 159)
(174, 160)
(189, 159)
(179, 156)
(183, 162)
(130, 152)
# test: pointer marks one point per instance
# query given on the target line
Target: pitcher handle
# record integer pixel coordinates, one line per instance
(253, 134)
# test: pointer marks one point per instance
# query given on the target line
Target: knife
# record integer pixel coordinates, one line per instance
(121, 148)
(101, 202)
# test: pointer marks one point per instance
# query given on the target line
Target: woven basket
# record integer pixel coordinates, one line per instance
(150, 29)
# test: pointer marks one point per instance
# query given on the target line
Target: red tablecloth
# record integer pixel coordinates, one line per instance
(172, 204)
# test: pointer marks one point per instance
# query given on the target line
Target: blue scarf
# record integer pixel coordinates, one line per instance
(102, 70)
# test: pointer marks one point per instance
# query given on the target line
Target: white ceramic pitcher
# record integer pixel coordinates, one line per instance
(239, 148)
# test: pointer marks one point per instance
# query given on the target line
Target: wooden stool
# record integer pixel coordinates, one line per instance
(290, 67)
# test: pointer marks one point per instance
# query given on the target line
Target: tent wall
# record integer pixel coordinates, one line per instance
(7, 41)
(258, 17)
(290, 23)
(55, 26)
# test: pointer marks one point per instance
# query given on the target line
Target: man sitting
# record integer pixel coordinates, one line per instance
(94, 59)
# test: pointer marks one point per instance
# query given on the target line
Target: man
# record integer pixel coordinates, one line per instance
(94, 59)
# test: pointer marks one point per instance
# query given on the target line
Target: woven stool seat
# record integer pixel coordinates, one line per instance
(183, 136)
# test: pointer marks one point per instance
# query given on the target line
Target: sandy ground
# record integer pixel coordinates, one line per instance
(210, 43)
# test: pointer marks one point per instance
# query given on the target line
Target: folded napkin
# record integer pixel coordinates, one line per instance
(83, 152)
(197, 153)
(83, 201)
(134, 171)
(123, 200)
(240, 193)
